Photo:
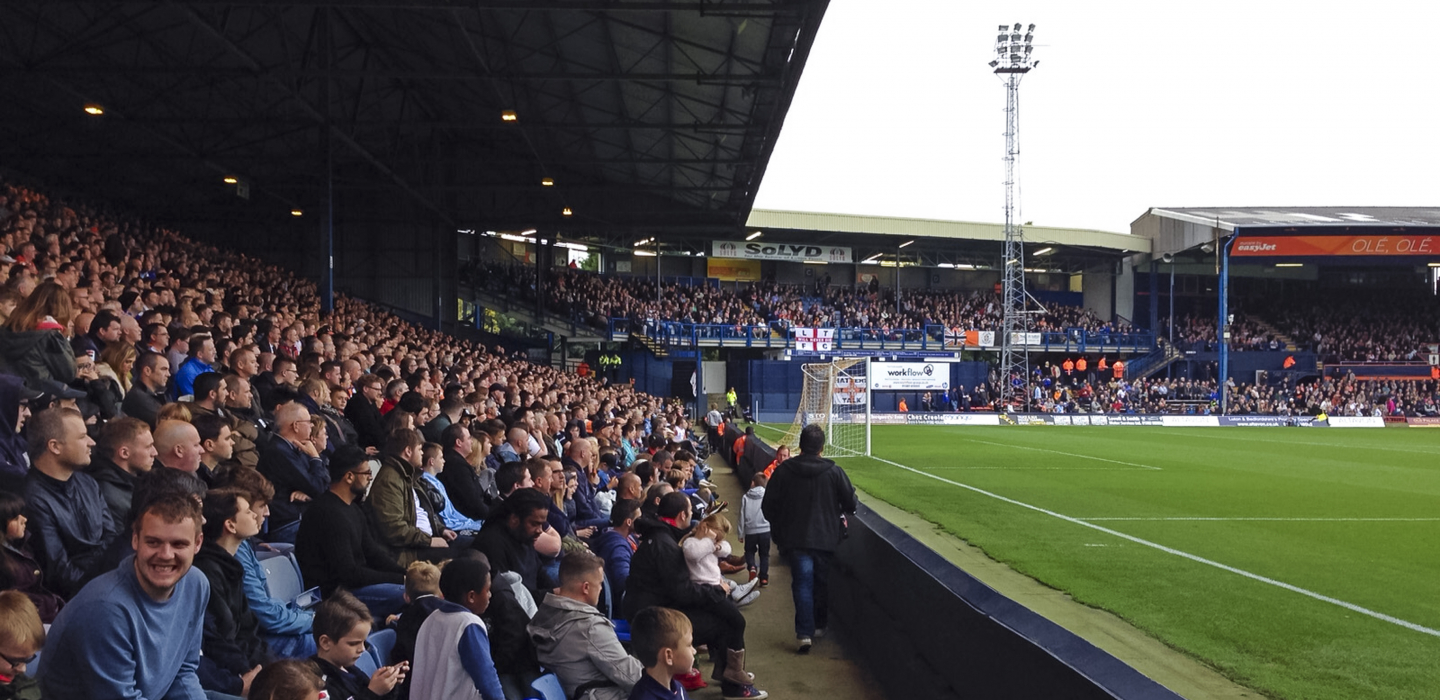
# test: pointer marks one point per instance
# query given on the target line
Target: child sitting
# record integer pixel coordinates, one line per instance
(663, 641)
(452, 652)
(19, 569)
(342, 624)
(704, 547)
(422, 597)
(21, 637)
(755, 530)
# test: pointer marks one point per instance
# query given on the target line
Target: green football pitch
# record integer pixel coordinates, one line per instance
(1301, 562)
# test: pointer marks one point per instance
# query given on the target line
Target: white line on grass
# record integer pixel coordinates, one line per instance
(1045, 469)
(1184, 555)
(1210, 435)
(1058, 452)
(1282, 520)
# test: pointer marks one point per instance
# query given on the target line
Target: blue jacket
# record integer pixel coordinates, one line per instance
(454, 519)
(650, 689)
(276, 616)
(184, 380)
(115, 641)
(615, 549)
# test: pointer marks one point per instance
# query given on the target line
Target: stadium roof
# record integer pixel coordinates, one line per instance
(1229, 218)
(645, 113)
(1069, 249)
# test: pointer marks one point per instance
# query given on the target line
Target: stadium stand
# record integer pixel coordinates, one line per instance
(84, 286)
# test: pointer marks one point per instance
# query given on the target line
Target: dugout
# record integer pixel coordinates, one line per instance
(888, 591)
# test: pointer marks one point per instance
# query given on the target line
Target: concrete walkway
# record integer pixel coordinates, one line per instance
(826, 672)
(770, 633)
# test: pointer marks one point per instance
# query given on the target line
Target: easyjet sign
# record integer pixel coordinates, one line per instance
(1368, 245)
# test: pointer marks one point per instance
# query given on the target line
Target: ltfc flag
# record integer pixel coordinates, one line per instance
(814, 339)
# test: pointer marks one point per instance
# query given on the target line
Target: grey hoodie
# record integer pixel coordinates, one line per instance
(579, 644)
(752, 519)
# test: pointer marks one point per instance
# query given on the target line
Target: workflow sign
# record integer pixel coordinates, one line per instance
(790, 252)
(911, 376)
(1306, 246)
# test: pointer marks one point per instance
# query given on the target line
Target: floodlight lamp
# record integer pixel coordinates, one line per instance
(1014, 38)
(1028, 49)
(1029, 38)
(994, 64)
(1004, 27)
(1031, 29)
(1017, 26)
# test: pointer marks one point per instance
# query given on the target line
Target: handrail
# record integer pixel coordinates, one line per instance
(931, 337)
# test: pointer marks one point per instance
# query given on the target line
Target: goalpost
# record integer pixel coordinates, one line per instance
(836, 396)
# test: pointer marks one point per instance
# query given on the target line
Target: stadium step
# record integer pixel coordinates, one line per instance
(1264, 325)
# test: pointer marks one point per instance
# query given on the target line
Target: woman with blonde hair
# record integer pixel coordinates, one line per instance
(33, 343)
(117, 363)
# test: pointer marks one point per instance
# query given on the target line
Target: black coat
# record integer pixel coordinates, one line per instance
(658, 574)
(804, 501)
(232, 632)
(463, 486)
(506, 553)
(142, 404)
(335, 547)
(291, 470)
(37, 355)
(116, 485)
(348, 683)
(369, 424)
(72, 527)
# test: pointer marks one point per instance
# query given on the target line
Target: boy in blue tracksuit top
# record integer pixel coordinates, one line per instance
(663, 641)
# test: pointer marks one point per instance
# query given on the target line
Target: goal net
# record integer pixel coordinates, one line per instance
(836, 396)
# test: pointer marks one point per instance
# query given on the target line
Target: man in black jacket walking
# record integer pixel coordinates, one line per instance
(805, 502)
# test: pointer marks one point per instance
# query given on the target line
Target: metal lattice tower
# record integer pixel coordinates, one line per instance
(1012, 61)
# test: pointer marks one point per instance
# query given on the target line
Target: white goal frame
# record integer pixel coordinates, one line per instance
(836, 394)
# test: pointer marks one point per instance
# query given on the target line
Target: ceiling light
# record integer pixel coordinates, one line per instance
(94, 110)
(297, 212)
(1044, 251)
(1434, 264)
(547, 181)
(963, 266)
(528, 232)
(509, 116)
(873, 258)
(754, 235)
(230, 180)
(566, 212)
(643, 241)
(906, 243)
(645, 253)
(1289, 264)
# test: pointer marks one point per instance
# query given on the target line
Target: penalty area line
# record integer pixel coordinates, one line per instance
(1272, 520)
(1067, 454)
(1175, 552)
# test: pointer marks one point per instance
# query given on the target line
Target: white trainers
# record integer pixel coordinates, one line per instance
(740, 590)
(748, 599)
(805, 644)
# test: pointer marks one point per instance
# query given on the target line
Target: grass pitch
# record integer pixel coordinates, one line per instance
(1301, 562)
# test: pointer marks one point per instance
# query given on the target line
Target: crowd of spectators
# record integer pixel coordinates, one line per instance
(591, 299)
(176, 415)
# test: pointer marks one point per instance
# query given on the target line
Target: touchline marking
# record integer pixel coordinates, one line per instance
(1044, 469)
(1212, 436)
(1184, 555)
(1067, 454)
(1282, 520)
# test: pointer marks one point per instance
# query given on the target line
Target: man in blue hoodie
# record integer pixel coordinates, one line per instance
(135, 631)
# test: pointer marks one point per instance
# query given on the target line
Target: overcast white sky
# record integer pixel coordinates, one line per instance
(1134, 105)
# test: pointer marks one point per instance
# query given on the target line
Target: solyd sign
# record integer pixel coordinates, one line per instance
(780, 251)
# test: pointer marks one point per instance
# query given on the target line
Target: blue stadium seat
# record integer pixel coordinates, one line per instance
(549, 688)
(381, 644)
(366, 662)
(622, 630)
(282, 577)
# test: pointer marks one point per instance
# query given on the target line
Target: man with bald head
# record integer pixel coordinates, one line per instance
(293, 463)
(630, 488)
(177, 446)
(580, 456)
(516, 446)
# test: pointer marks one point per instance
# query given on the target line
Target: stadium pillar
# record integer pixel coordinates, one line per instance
(327, 291)
(539, 278)
(1224, 321)
(1154, 296)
